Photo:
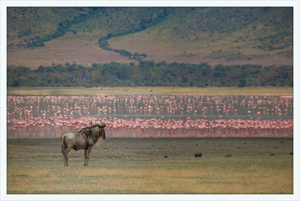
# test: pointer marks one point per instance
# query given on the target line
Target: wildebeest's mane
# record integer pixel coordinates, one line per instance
(82, 129)
(93, 126)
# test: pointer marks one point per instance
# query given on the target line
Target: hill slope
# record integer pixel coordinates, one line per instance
(186, 35)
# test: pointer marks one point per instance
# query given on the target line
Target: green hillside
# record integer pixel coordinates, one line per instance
(187, 35)
(220, 33)
(38, 25)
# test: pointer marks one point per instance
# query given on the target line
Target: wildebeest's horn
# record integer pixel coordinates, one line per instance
(102, 125)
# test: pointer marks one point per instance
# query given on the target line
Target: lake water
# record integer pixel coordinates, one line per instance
(52, 116)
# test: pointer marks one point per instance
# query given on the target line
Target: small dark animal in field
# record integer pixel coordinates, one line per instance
(198, 155)
(272, 154)
(85, 139)
(228, 155)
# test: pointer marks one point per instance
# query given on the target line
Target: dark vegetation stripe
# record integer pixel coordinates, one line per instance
(149, 73)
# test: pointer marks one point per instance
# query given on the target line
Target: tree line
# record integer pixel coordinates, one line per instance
(103, 43)
(149, 73)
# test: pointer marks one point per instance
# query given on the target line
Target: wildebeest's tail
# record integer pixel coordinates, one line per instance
(63, 151)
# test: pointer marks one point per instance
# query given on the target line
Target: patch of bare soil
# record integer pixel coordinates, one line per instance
(159, 54)
(171, 52)
(63, 51)
(154, 148)
(88, 52)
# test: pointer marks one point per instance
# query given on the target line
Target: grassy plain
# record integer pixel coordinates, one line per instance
(245, 91)
(205, 176)
(138, 166)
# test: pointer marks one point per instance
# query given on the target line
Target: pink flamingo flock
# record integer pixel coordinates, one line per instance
(151, 116)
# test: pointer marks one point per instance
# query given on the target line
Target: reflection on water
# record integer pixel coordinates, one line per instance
(51, 116)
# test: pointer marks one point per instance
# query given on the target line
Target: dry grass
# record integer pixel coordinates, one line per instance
(192, 181)
(213, 175)
(274, 91)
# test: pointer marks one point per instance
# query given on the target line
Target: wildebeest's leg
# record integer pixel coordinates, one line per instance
(88, 155)
(63, 150)
(66, 159)
(85, 157)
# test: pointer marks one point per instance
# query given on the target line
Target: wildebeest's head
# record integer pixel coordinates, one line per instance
(102, 132)
(102, 125)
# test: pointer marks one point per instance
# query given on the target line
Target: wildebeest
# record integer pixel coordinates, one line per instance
(84, 139)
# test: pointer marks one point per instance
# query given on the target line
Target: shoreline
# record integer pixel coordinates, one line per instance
(156, 90)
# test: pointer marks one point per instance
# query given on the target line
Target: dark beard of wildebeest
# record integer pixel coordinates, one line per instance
(84, 139)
